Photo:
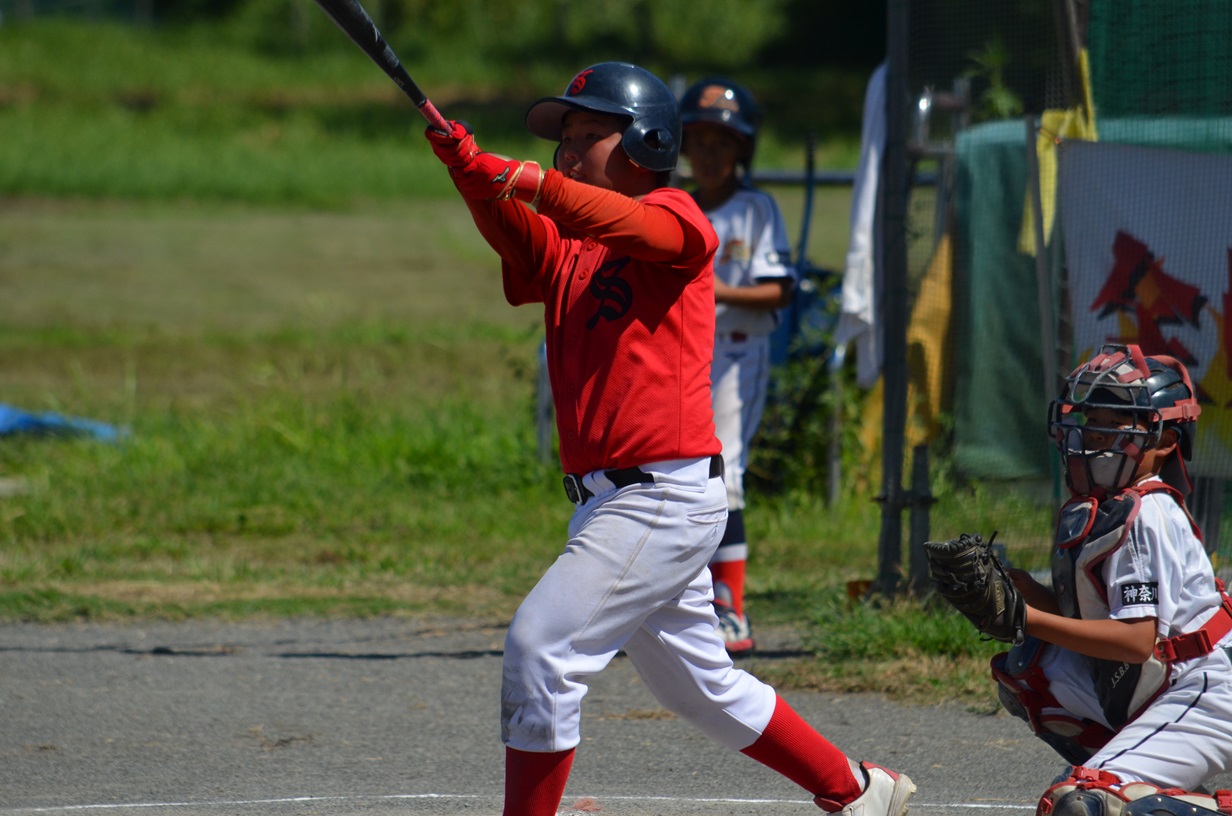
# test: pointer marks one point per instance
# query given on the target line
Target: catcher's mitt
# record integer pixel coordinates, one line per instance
(968, 575)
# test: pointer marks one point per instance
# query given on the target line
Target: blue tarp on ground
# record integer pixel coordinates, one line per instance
(15, 421)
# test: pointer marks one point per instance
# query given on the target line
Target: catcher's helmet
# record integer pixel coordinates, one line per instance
(1155, 391)
(652, 137)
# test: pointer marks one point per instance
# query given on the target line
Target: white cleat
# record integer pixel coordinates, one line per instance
(886, 794)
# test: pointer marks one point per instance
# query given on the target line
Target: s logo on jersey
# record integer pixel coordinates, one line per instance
(614, 294)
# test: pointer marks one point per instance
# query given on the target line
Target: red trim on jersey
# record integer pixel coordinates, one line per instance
(1202, 641)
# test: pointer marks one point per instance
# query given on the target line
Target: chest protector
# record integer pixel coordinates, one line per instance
(1088, 533)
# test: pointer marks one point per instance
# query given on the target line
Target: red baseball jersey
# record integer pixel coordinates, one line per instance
(628, 293)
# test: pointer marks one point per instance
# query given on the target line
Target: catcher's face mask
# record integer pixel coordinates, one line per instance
(1102, 449)
(1113, 409)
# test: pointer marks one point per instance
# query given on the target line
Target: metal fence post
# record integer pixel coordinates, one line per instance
(921, 519)
(893, 221)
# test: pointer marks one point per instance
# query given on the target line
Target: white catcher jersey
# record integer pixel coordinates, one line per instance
(1181, 739)
(1162, 571)
(753, 248)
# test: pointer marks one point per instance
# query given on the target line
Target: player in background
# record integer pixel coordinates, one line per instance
(1125, 671)
(753, 279)
(621, 264)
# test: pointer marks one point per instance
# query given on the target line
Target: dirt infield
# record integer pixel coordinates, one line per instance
(334, 718)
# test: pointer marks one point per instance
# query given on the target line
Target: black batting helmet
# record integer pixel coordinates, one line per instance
(720, 101)
(652, 137)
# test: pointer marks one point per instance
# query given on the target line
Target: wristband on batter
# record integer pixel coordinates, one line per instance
(526, 183)
(489, 177)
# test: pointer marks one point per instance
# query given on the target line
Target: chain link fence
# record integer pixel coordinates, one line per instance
(1016, 271)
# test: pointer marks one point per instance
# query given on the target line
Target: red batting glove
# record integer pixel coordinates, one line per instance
(456, 148)
(489, 177)
(483, 176)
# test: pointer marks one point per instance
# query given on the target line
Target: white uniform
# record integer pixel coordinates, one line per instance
(632, 577)
(1182, 738)
(753, 248)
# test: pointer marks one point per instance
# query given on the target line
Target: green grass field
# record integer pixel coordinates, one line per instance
(330, 413)
(354, 378)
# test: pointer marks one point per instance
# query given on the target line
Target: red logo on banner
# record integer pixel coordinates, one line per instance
(1139, 285)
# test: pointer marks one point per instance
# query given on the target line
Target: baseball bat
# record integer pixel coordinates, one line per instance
(356, 23)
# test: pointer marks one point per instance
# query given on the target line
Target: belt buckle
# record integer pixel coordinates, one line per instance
(573, 488)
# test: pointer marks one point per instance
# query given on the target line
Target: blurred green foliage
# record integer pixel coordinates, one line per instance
(733, 33)
(807, 61)
(270, 103)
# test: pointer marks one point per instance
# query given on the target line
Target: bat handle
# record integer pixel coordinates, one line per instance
(433, 116)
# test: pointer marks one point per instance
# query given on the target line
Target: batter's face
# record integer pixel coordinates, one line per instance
(590, 152)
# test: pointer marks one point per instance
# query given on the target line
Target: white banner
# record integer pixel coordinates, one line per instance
(1148, 246)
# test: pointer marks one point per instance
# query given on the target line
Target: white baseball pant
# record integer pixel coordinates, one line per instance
(633, 576)
(740, 375)
(1182, 738)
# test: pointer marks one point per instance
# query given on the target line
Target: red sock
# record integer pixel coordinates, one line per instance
(731, 574)
(535, 782)
(792, 747)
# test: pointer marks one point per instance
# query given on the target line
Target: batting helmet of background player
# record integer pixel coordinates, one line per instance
(719, 101)
(1156, 391)
(652, 137)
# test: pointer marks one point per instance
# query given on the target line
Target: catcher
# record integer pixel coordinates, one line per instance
(1122, 666)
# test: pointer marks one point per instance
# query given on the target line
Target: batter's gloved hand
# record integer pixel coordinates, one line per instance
(484, 176)
(967, 573)
(456, 147)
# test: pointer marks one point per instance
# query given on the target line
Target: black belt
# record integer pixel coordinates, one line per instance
(624, 477)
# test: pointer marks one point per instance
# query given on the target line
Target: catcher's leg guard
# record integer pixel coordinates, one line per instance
(1061, 800)
(1091, 792)
(1022, 689)
(1089, 803)
(1162, 803)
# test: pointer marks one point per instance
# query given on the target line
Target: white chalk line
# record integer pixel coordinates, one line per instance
(291, 800)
